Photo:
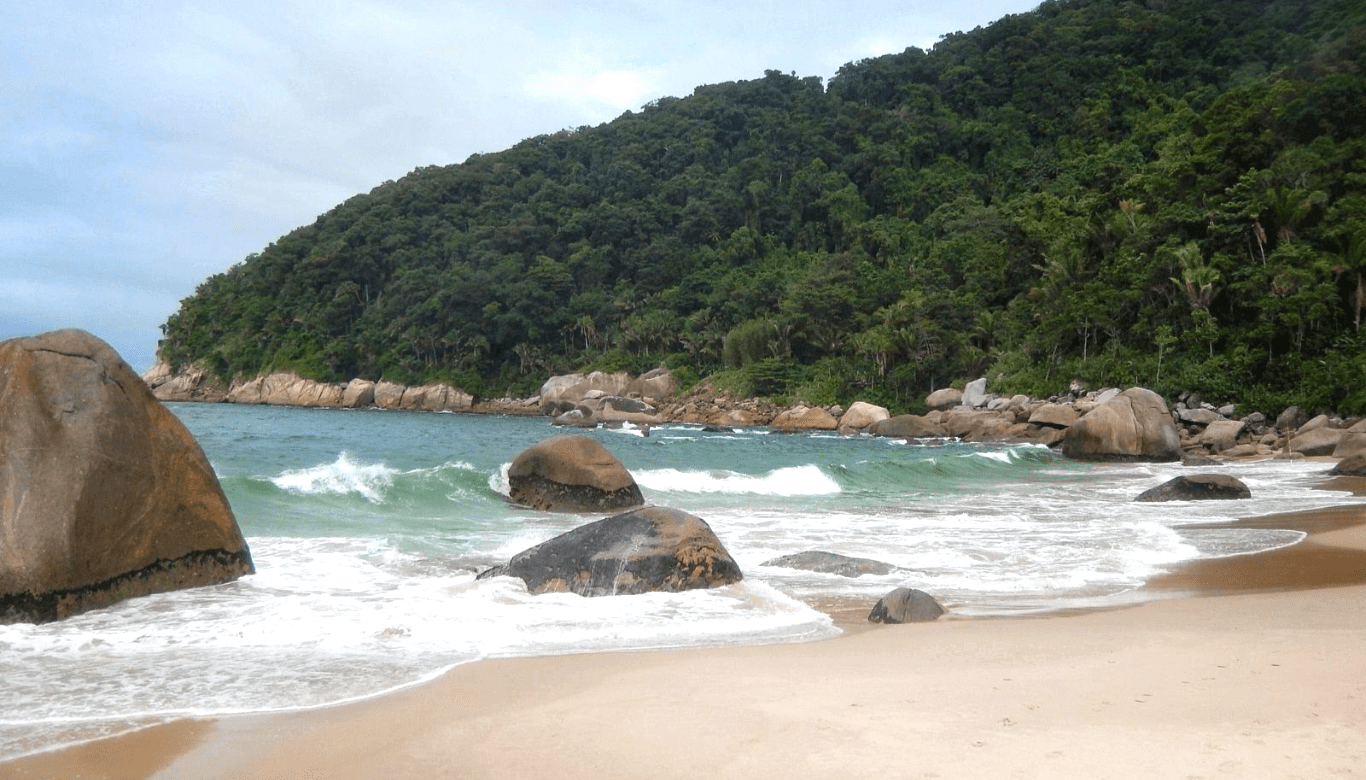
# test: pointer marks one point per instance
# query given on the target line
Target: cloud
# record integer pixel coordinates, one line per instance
(618, 90)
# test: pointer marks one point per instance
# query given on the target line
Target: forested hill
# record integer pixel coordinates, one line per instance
(1166, 193)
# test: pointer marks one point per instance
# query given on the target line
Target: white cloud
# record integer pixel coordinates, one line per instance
(615, 89)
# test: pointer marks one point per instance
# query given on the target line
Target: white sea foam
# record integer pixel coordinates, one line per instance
(325, 621)
(339, 477)
(790, 481)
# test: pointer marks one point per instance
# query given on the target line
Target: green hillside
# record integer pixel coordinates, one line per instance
(1166, 193)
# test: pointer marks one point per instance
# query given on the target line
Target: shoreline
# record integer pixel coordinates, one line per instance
(493, 708)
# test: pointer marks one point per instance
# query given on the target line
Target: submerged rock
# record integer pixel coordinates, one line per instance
(104, 495)
(906, 605)
(1197, 487)
(650, 549)
(571, 474)
(831, 563)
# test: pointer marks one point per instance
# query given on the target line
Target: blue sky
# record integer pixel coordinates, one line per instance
(147, 145)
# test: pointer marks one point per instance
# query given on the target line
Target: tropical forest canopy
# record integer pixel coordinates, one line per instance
(1167, 193)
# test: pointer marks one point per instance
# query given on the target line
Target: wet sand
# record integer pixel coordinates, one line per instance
(1257, 670)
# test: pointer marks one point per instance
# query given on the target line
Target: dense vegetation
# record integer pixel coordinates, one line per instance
(1166, 193)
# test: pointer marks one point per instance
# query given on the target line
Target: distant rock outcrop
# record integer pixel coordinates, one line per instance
(104, 495)
(559, 394)
(650, 549)
(1197, 487)
(284, 388)
(571, 474)
(1133, 426)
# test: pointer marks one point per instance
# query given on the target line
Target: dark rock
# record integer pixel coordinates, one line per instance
(905, 605)
(571, 474)
(1199, 460)
(1291, 419)
(579, 417)
(650, 549)
(1351, 466)
(832, 563)
(1134, 426)
(628, 405)
(1197, 487)
(104, 495)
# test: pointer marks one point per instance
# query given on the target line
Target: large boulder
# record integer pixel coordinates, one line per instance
(104, 495)
(805, 418)
(1054, 415)
(862, 414)
(1351, 443)
(435, 398)
(1291, 418)
(1318, 441)
(650, 549)
(831, 563)
(908, 426)
(1350, 466)
(906, 605)
(1133, 426)
(946, 398)
(1221, 435)
(975, 394)
(973, 425)
(1197, 487)
(358, 394)
(571, 474)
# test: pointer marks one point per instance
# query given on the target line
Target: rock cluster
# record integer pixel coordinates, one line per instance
(104, 495)
(194, 383)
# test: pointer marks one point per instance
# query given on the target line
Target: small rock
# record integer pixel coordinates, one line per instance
(1197, 487)
(905, 605)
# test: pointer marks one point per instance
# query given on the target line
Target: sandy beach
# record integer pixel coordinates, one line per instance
(1245, 667)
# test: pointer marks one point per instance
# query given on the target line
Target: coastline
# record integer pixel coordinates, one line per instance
(1236, 667)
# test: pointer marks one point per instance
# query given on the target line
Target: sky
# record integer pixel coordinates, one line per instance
(146, 145)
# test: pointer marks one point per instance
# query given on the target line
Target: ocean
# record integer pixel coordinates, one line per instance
(368, 528)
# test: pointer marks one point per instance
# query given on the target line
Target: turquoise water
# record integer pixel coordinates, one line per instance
(368, 528)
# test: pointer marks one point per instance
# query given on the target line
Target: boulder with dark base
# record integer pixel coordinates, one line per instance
(907, 426)
(831, 563)
(571, 474)
(1133, 426)
(650, 549)
(905, 605)
(104, 495)
(1197, 487)
(1350, 466)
